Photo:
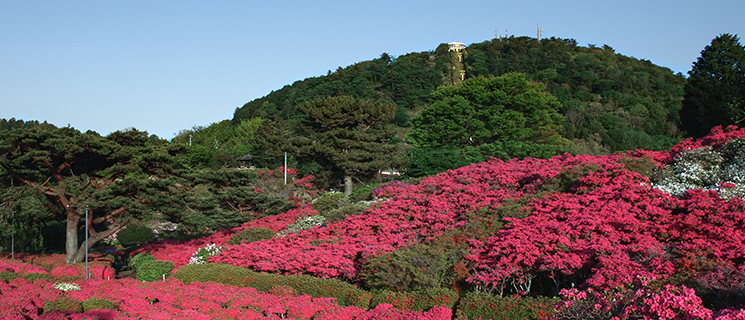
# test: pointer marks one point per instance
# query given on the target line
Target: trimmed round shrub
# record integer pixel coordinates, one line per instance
(136, 261)
(31, 277)
(63, 304)
(250, 235)
(154, 270)
(8, 275)
(346, 294)
(418, 300)
(480, 305)
(343, 212)
(418, 267)
(364, 193)
(328, 201)
(135, 234)
(98, 304)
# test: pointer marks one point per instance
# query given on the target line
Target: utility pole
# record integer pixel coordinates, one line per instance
(86, 242)
(13, 238)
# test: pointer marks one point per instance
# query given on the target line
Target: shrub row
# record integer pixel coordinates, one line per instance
(346, 294)
(479, 305)
(417, 300)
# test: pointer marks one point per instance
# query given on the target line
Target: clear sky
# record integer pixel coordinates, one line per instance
(163, 66)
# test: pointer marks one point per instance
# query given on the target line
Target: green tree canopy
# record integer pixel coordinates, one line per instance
(505, 116)
(115, 178)
(715, 91)
(350, 137)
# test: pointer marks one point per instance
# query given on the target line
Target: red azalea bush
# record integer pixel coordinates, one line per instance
(173, 299)
(21, 268)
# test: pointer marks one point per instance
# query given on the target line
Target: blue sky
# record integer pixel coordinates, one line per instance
(164, 66)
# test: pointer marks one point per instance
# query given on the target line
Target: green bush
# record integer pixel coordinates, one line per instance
(345, 293)
(345, 211)
(8, 275)
(134, 234)
(418, 300)
(479, 305)
(98, 304)
(418, 267)
(250, 235)
(31, 277)
(328, 201)
(154, 270)
(215, 272)
(136, 261)
(363, 193)
(64, 304)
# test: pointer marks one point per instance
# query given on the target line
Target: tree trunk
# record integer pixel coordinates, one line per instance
(348, 185)
(71, 239)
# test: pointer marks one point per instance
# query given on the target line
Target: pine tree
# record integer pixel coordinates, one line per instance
(715, 91)
(349, 136)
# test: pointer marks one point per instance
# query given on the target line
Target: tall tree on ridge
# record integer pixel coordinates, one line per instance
(349, 136)
(715, 91)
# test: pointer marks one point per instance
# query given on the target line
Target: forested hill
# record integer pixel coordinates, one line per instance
(609, 101)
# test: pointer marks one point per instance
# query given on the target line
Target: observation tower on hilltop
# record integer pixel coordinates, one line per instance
(458, 48)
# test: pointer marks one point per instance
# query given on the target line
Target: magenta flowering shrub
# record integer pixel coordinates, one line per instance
(172, 299)
(21, 268)
(634, 301)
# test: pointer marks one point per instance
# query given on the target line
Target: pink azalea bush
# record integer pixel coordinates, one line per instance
(172, 299)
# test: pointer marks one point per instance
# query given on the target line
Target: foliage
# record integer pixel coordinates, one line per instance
(154, 270)
(137, 260)
(414, 268)
(347, 136)
(505, 117)
(249, 235)
(8, 275)
(715, 91)
(363, 193)
(345, 293)
(479, 305)
(203, 253)
(135, 234)
(705, 168)
(418, 300)
(98, 304)
(328, 202)
(172, 299)
(64, 286)
(76, 172)
(64, 304)
(303, 223)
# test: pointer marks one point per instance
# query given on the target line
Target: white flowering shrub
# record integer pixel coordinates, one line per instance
(64, 286)
(303, 223)
(202, 254)
(708, 169)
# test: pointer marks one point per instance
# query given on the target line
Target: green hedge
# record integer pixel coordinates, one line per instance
(64, 304)
(136, 261)
(479, 305)
(250, 235)
(153, 270)
(346, 294)
(98, 304)
(8, 275)
(417, 301)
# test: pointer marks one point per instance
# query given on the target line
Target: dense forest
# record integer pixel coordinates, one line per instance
(607, 102)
